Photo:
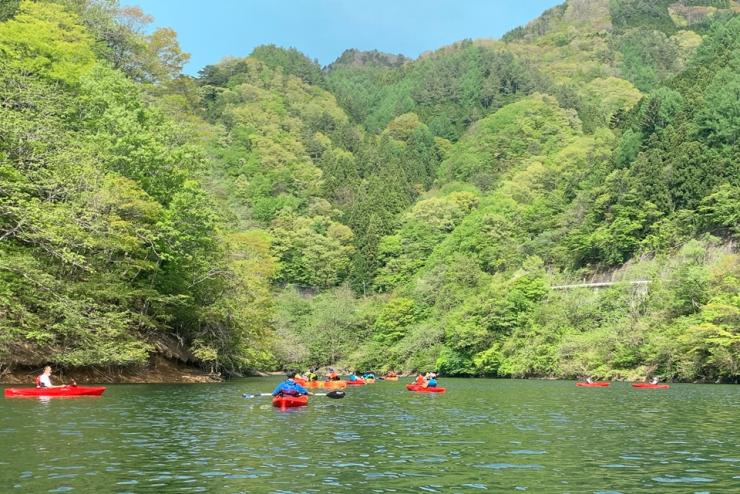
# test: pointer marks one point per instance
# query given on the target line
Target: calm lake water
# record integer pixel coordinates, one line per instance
(482, 435)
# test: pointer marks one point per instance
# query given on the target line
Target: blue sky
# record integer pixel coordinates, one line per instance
(323, 29)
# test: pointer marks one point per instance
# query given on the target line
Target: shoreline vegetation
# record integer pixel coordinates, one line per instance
(168, 371)
(560, 202)
(159, 371)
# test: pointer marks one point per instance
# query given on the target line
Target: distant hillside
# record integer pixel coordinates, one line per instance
(380, 213)
(644, 42)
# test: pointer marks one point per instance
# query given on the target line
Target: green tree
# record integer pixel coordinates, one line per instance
(44, 39)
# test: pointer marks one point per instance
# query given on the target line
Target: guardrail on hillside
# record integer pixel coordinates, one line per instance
(600, 285)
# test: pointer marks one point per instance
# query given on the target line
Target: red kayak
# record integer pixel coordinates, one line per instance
(63, 391)
(650, 386)
(422, 389)
(595, 384)
(290, 401)
(358, 382)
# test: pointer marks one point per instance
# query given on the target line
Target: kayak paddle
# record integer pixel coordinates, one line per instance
(332, 394)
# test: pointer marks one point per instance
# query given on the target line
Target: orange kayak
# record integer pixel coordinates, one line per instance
(326, 384)
(650, 386)
(595, 384)
(422, 389)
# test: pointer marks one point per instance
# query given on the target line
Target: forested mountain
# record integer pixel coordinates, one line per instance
(381, 212)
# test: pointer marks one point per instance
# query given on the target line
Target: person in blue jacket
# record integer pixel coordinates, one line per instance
(353, 376)
(289, 387)
(431, 380)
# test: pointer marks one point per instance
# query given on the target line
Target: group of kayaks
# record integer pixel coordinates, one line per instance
(281, 401)
(604, 384)
(278, 401)
(285, 401)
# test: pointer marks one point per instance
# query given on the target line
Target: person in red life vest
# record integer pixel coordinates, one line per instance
(290, 387)
(44, 380)
(419, 381)
(332, 375)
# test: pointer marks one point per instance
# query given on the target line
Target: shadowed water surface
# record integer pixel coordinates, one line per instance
(482, 435)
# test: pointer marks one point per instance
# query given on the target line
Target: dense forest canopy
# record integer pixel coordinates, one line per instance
(381, 212)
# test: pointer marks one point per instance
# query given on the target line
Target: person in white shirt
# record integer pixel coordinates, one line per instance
(44, 380)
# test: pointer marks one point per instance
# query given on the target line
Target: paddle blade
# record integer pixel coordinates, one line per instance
(335, 394)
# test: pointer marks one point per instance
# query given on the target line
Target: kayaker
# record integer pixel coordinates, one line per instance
(391, 374)
(353, 376)
(312, 376)
(332, 375)
(44, 380)
(431, 380)
(419, 381)
(368, 375)
(654, 380)
(290, 387)
(589, 380)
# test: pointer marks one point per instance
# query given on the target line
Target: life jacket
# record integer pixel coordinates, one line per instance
(334, 376)
(419, 380)
(288, 388)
